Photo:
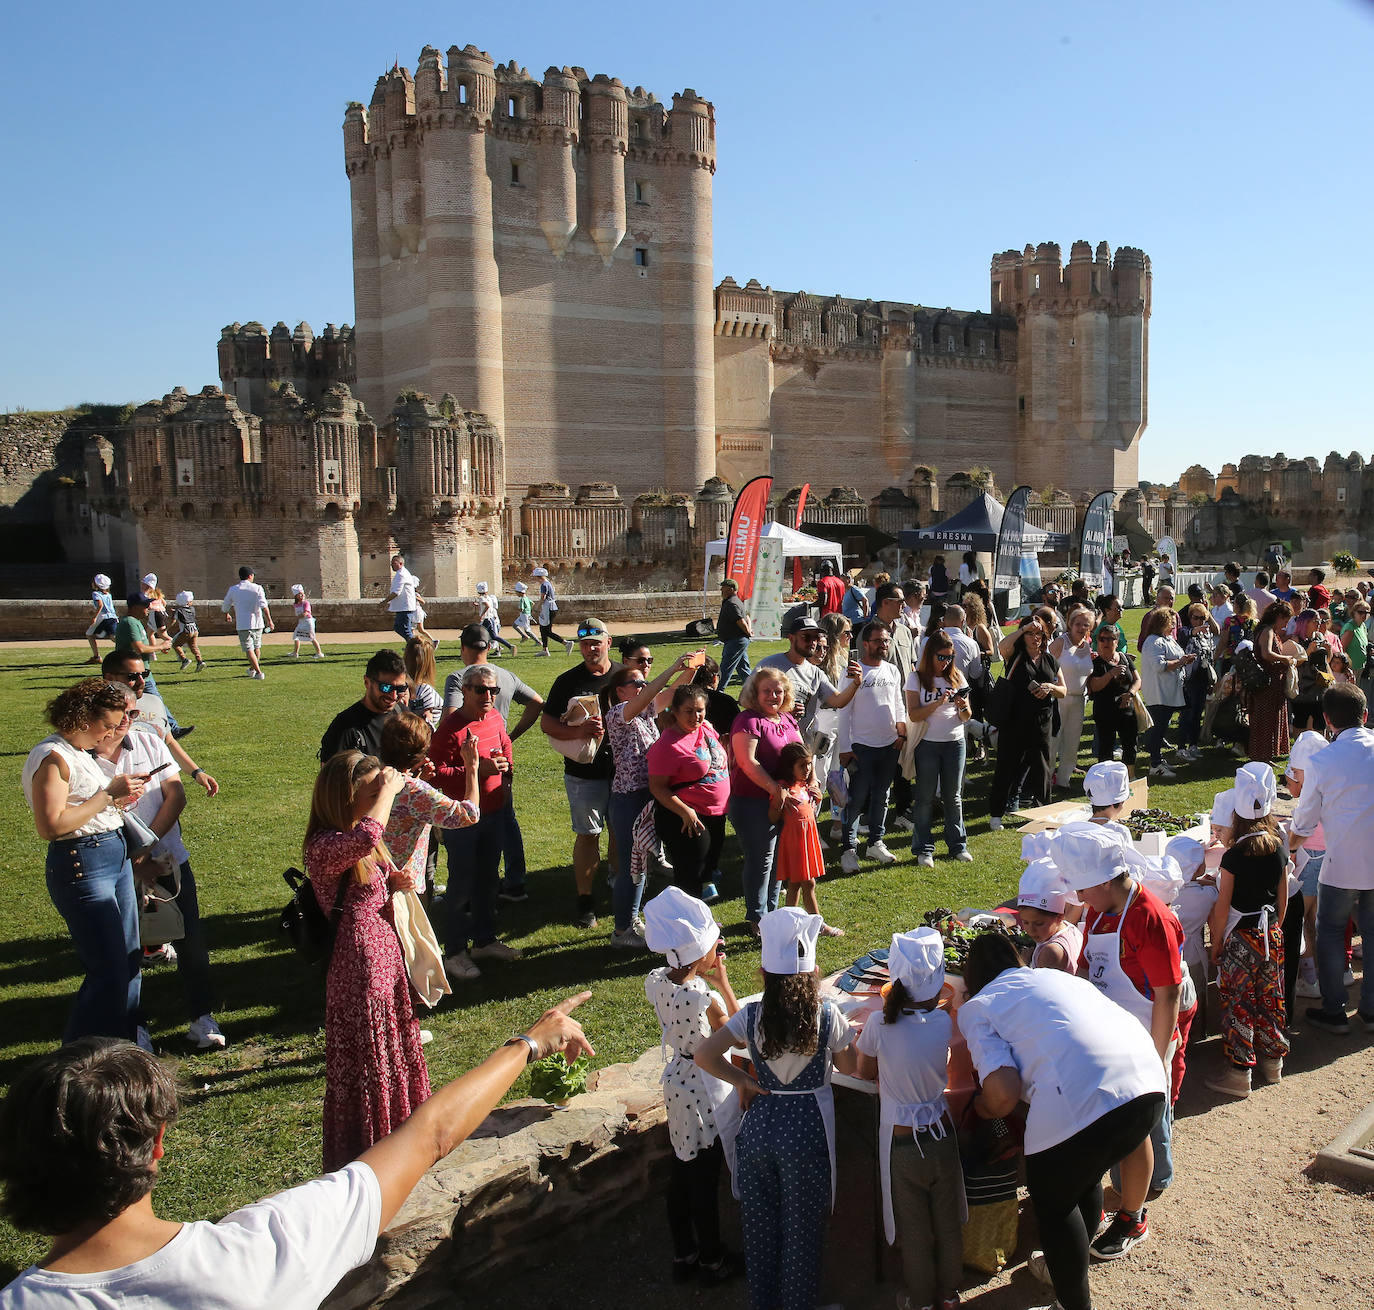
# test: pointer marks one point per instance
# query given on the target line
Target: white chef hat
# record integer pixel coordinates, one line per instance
(1256, 790)
(1189, 852)
(481, 588)
(521, 588)
(1244, 645)
(1307, 745)
(1224, 808)
(150, 579)
(1039, 845)
(1161, 874)
(101, 580)
(185, 597)
(1089, 855)
(1107, 783)
(917, 961)
(789, 940)
(297, 589)
(679, 926)
(1044, 887)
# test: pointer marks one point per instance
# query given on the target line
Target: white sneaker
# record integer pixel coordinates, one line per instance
(164, 954)
(205, 1033)
(1162, 771)
(495, 951)
(629, 940)
(995, 824)
(849, 861)
(1116, 754)
(426, 1036)
(569, 645)
(877, 850)
(260, 676)
(925, 861)
(900, 824)
(1309, 991)
(461, 967)
(965, 857)
(320, 656)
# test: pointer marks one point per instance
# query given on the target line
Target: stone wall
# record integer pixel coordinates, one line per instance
(32, 455)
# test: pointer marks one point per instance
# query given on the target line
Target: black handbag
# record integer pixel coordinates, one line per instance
(997, 710)
(311, 932)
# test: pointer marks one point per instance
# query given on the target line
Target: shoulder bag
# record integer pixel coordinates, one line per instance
(580, 750)
(160, 919)
(998, 707)
(420, 947)
(310, 930)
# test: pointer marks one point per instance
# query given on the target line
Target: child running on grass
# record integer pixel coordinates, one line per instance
(305, 623)
(187, 630)
(801, 862)
(701, 1110)
(524, 615)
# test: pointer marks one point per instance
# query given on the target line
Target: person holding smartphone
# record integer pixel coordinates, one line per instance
(1023, 743)
(937, 694)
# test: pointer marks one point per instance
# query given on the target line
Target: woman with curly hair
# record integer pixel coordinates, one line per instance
(374, 1069)
(90, 880)
(785, 1153)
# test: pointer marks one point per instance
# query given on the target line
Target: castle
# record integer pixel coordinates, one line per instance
(541, 369)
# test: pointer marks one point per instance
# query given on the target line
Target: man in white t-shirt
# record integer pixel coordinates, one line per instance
(403, 599)
(872, 726)
(245, 606)
(108, 1107)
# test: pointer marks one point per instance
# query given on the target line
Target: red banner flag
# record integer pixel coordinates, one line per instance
(796, 563)
(746, 524)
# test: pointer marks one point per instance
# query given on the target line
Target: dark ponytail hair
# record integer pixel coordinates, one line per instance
(989, 954)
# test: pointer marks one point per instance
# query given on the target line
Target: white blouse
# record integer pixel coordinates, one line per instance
(86, 780)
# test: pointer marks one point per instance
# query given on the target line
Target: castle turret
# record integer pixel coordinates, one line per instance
(557, 178)
(607, 138)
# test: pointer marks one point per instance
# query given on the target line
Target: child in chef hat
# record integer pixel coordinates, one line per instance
(785, 1155)
(1041, 901)
(918, 1161)
(1308, 860)
(1109, 788)
(701, 1110)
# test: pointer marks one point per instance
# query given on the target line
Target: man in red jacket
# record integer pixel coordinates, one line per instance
(474, 853)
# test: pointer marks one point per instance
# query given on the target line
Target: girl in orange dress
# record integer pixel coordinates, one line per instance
(800, 860)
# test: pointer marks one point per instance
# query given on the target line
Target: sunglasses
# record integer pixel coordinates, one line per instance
(943, 659)
(634, 682)
(640, 659)
(393, 688)
(135, 677)
(482, 689)
(593, 634)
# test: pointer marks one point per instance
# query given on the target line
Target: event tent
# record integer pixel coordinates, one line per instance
(975, 527)
(795, 545)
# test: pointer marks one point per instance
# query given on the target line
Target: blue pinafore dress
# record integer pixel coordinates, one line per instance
(785, 1176)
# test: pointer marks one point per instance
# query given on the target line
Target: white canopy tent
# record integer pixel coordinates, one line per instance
(794, 545)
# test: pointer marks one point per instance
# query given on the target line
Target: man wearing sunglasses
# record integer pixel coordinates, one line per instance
(150, 714)
(588, 785)
(359, 727)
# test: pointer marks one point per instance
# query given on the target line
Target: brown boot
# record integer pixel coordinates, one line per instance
(1235, 1081)
(1269, 1071)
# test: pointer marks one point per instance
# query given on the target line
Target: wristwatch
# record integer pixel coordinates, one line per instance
(528, 1041)
(195, 773)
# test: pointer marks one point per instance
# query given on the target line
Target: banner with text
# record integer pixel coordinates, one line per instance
(765, 605)
(746, 525)
(1097, 537)
(798, 577)
(1006, 563)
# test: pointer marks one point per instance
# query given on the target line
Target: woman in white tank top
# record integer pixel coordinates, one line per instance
(1073, 649)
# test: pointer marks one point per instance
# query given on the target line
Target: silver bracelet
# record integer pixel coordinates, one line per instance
(533, 1052)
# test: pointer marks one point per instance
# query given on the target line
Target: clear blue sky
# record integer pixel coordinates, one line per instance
(175, 167)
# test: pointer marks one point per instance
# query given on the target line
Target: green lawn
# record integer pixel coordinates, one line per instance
(251, 1115)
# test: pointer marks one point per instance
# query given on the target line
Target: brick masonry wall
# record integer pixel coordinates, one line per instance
(32, 454)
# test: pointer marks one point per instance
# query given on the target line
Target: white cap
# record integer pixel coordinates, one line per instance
(917, 961)
(1307, 745)
(1044, 887)
(1190, 854)
(789, 940)
(1244, 645)
(1256, 790)
(1224, 808)
(101, 580)
(185, 597)
(1088, 855)
(296, 588)
(1161, 874)
(521, 588)
(1107, 783)
(150, 579)
(540, 572)
(481, 588)
(680, 927)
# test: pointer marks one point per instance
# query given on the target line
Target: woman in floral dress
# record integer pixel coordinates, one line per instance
(374, 1069)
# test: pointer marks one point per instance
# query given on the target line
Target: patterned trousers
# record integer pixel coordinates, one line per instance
(1252, 996)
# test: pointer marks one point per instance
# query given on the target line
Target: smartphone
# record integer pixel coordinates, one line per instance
(152, 773)
(696, 659)
(962, 691)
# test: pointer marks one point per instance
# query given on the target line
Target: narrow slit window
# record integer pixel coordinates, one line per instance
(462, 93)
(640, 196)
(641, 257)
(515, 172)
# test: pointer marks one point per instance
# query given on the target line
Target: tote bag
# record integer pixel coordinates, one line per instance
(420, 947)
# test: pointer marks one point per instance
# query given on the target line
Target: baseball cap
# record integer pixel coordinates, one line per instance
(136, 600)
(475, 637)
(590, 629)
(802, 623)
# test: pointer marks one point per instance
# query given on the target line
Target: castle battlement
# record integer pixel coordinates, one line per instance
(1038, 276)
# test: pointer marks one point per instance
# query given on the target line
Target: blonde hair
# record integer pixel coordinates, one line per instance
(1158, 622)
(974, 612)
(419, 660)
(1265, 828)
(836, 652)
(749, 697)
(331, 805)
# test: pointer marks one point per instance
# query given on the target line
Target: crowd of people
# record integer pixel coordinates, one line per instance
(876, 710)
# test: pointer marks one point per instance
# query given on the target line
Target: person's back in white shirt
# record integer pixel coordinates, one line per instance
(246, 601)
(1338, 794)
(403, 587)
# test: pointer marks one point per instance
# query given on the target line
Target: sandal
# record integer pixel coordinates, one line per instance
(829, 930)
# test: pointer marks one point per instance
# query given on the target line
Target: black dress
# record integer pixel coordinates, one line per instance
(1115, 723)
(1023, 743)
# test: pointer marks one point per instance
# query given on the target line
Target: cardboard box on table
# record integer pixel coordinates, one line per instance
(1045, 818)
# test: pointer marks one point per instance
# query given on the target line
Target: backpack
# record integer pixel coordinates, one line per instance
(1249, 671)
(310, 930)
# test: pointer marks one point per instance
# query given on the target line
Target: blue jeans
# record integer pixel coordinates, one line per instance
(403, 624)
(626, 807)
(942, 762)
(1195, 692)
(874, 769)
(1154, 739)
(1335, 905)
(758, 839)
(474, 863)
(734, 658)
(91, 884)
(513, 850)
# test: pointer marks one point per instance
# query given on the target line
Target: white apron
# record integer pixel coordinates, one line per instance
(1102, 950)
(916, 1116)
(1262, 919)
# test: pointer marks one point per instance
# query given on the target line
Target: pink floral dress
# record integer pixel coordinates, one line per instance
(414, 811)
(374, 1068)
